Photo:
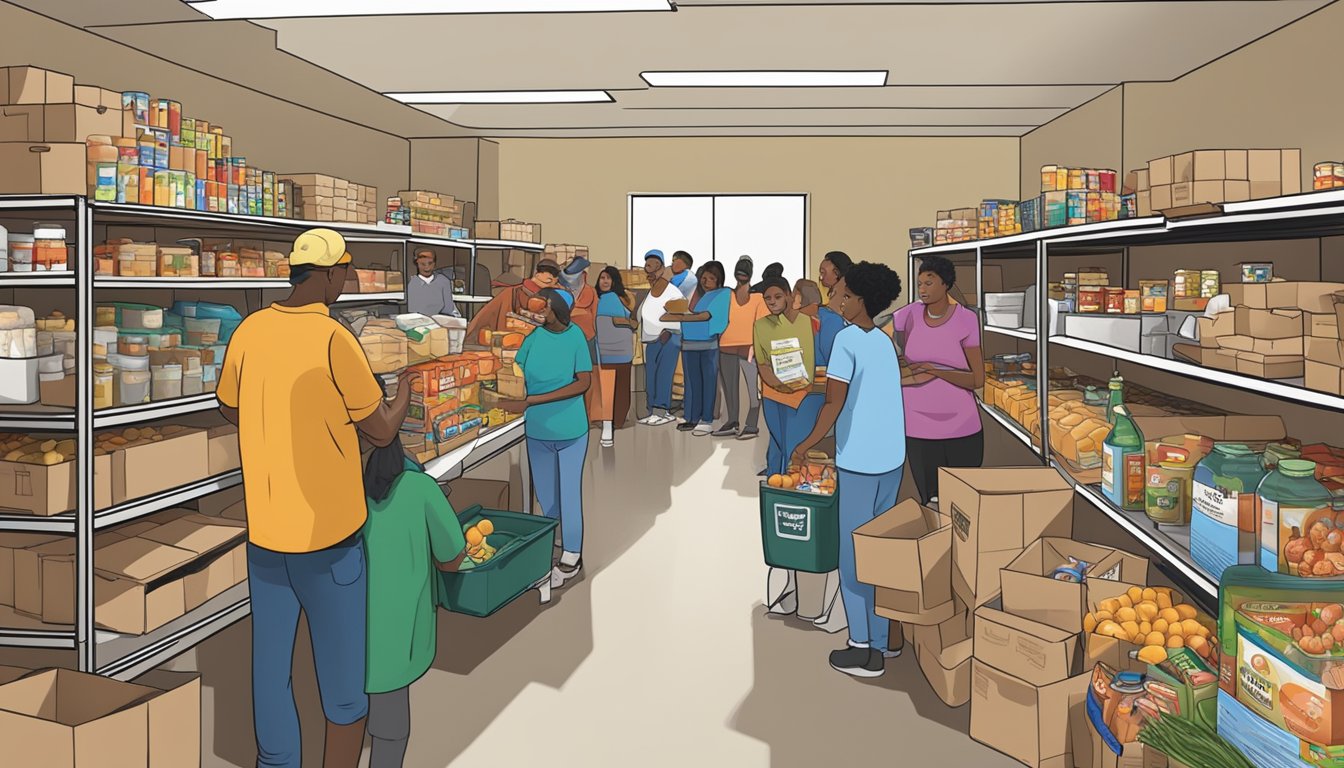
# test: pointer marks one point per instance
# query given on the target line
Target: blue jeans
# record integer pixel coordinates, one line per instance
(787, 427)
(557, 477)
(700, 370)
(660, 367)
(862, 498)
(330, 586)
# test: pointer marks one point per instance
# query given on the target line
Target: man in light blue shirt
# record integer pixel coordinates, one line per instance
(682, 278)
(863, 403)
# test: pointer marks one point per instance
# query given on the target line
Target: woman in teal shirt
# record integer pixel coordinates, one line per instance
(411, 527)
(557, 371)
(700, 332)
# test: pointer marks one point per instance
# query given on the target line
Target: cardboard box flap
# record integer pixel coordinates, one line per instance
(1010, 480)
(69, 698)
(1219, 428)
(197, 534)
(141, 560)
(907, 520)
(993, 614)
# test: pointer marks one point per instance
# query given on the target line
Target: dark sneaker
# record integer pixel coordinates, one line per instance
(749, 433)
(727, 430)
(859, 662)
(685, 426)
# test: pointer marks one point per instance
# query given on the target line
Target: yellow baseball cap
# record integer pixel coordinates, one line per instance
(320, 248)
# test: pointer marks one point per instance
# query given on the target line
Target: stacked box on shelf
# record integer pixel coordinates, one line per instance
(1328, 175)
(960, 225)
(997, 218)
(319, 197)
(564, 253)
(428, 212)
(1073, 196)
(509, 229)
(1223, 176)
(921, 237)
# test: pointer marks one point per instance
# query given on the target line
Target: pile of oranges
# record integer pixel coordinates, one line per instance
(784, 481)
(796, 479)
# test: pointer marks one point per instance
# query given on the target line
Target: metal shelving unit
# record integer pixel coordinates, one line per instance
(1312, 215)
(122, 656)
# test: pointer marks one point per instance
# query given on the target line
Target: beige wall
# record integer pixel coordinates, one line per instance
(446, 165)
(1275, 93)
(865, 193)
(272, 133)
(1087, 137)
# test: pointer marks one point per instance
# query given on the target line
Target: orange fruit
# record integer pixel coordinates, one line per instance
(474, 536)
(787, 481)
(485, 527)
(776, 481)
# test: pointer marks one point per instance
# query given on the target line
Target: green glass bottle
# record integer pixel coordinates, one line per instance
(1122, 478)
(1116, 398)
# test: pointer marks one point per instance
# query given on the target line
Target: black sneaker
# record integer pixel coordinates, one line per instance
(727, 430)
(749, 433)
(764, 472)
(859, 662)
(685, 426)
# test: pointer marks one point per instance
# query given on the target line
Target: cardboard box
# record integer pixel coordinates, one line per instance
(907, 550)
(487, 230)
(1035, 653)
(1310, 297)
(1325, 378)
(64, 123)
(1271, 367)
(45, 168)
(60, 718)
(11, 543)
(1089, 751)
(944, 655)
(1182, 194)
(1161, 197)
(1162, 172)
(149, 468)
(1270, 348)
(33, 85)
(1026, 722)
(1144, 200)
(995, 514)
(230, 503)
(1236, 162)
(204, 536)
(467, 492)
(1268, 324)
(1201, 165)
(45, 578)
(58, 393)
(1291, 171)
(1031, 592)
(222, 449)
(1231, 429)
(39, 489)
(1212, 329)
(1265, 165)
(1261, 190)
(1322, 325)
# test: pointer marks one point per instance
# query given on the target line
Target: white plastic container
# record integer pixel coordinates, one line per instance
(167, 382)
(457, 332)
(4, 249)
(18, 381)
(20, 253)
(104, 341)
(18, 332)
(51, 364)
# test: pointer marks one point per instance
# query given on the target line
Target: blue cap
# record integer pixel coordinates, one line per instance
(655, 254)
(577, 266)
(567, 296)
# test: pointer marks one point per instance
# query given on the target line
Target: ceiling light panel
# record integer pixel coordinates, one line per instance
(768, 79)
(503, 97)
(293, 9)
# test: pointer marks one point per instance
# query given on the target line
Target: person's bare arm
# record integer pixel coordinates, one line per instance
(971, 379)
(381, 426)
(836, 392)
(455, 564)
(690, 317)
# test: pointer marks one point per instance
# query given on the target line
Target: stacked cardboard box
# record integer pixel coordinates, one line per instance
(44, 121)
(1325, 351)
(429, 212)
(509, 229)
(998, 218)
(960, 225)
(1328, 175)
(564, 253)
(1222, 176)
(1271, 330)
(319, 197)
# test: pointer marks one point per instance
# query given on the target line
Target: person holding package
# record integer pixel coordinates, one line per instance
(412, 532)
(557, 370)
(430, 292)
(700, 332)
(662, 344)
(941, 341)
(736, 361)
(863, 404)
(301, 392)
(494, 315)
(785, 352)
(615, 350)
(682, 279)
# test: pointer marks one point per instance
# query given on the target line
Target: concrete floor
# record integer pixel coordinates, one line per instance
(662, 655)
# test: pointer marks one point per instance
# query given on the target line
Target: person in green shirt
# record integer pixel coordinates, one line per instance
(785, 345)
(410, 533)
(557, 370)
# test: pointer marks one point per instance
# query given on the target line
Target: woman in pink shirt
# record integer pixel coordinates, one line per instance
(941, 342)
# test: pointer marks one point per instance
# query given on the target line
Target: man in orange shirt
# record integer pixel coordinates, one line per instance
(494, 315)
(300, 389)
(736, 358)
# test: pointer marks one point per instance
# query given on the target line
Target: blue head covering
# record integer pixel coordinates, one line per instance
(655, 254)
(566, 296)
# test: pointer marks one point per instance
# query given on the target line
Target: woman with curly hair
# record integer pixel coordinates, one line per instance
(863, 404)
(941, 342)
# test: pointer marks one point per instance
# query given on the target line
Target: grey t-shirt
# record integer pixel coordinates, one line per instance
(432, 298)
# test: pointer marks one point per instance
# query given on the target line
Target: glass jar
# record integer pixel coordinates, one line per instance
(134, 387)
(1222, 507)
(133, 346)
(20, 253)
(102, 385)
(1299, 532)
(49, 251)
(167, 382)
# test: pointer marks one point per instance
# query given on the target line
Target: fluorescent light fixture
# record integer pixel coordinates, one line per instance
(503, 97)
(289, 9)
(768, 79)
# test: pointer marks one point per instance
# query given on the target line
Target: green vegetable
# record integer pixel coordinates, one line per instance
(1191, 743)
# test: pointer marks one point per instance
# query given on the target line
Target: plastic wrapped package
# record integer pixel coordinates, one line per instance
(18, 332)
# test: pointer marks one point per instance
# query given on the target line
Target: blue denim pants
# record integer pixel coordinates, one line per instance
(787, 427)
(660, 361)
(862, 498)
(557, 478)
(700, 369)
(330, 586)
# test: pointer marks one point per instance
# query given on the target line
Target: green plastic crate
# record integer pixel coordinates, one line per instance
(800, 531)
(524, 556)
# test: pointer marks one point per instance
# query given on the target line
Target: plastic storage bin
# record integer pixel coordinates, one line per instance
(204, 310)
(800, 531)
(19, 380)
(523, 558)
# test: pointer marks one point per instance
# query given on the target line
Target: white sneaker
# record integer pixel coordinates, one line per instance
(608, 436)
(664, 420)
(561, 574)
(702, 430)
(650, 420)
